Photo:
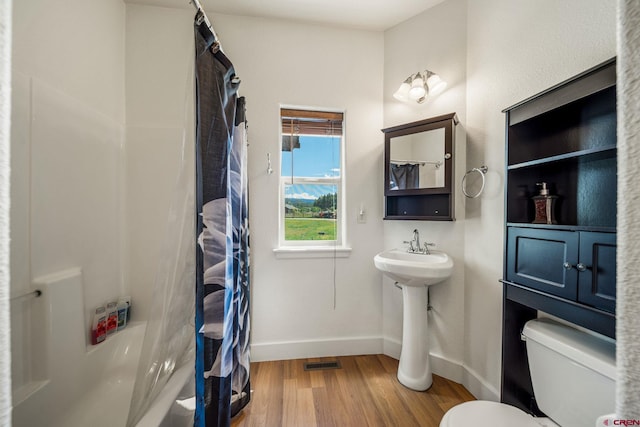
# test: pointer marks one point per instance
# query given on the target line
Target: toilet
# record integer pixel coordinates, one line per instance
(573, 375)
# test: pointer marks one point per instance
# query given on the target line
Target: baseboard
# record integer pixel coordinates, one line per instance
(391, 347)
(285, 350)
(478, 386)
(446, 368)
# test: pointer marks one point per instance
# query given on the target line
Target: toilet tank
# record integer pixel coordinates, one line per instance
(573, 373)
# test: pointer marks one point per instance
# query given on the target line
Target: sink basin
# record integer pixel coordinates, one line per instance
(414, 269)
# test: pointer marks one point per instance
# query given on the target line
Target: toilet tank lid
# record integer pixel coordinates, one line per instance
(595, 352)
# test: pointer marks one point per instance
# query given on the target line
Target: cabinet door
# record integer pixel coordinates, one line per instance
(597, 270)
(542, 260)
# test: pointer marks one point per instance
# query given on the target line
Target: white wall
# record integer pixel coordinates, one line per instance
(282, 62)
(67, 133)
(435, 39)
(515, 49)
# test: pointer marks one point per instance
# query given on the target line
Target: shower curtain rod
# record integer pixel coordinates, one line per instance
(198, 6)
(421, 162)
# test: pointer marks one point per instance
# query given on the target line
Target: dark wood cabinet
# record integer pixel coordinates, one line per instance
(577, 265)
(536, 258)
(597, 270)
(428, 147)
(565, 137)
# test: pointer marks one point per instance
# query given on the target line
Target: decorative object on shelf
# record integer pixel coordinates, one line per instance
(419, 86)
(545, 205)
(482, 170)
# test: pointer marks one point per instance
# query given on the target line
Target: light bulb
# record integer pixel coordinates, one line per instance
(402, 94)
(417, 90)
(435, 83)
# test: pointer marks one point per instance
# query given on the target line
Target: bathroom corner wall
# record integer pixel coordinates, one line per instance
(493, 54)
(67, 136)
(515, 49)
(435, 39)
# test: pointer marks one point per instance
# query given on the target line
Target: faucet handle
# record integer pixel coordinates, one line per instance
(410, 243)
(426, 247)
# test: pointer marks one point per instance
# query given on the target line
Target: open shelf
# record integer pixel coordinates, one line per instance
(584, 126)
(596, 153)
(585, 186)
(415, 207)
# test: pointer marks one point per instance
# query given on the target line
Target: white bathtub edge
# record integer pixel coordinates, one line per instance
(160, 407)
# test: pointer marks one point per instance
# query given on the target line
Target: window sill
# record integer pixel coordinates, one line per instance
(289, 252)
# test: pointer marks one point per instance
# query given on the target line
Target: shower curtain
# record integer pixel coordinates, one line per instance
(404, 176)
(222, 262)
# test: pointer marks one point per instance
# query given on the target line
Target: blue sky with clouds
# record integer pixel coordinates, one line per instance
(318, 156)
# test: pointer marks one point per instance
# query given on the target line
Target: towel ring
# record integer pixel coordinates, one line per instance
(482, 170)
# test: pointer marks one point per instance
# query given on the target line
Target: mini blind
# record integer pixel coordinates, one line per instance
(305, 122)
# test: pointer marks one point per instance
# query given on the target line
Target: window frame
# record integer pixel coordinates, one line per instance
(301, 248)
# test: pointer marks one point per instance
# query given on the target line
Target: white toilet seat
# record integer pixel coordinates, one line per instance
(483, 413)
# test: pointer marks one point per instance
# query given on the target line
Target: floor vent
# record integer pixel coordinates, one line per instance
(317, 366)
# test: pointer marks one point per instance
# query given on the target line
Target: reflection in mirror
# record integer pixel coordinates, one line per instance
(416, 160)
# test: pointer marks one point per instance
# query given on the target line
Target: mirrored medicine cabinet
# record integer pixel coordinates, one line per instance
(419, 169)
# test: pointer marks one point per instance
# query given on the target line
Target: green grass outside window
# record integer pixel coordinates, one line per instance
(309, 229)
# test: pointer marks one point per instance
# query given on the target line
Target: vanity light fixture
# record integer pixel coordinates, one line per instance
(417, 87)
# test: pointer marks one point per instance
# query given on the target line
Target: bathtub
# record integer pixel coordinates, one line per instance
(100, 394)
(85, 385)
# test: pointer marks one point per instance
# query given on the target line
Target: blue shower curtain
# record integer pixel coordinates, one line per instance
(222, 263)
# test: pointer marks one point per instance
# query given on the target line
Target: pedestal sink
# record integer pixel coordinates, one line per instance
(414, 272)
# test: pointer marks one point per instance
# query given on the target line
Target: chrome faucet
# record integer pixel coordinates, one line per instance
(416, 238)
(418, 248)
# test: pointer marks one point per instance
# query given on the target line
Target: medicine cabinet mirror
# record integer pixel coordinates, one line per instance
(419, 166)
(416, 160)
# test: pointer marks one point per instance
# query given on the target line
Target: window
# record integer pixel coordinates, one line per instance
(311, 178)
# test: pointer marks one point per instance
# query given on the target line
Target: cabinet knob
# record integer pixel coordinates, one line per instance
(581, 267)
(567, 266)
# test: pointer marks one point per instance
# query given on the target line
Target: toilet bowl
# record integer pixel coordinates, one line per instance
(484, 413)
(573, 376)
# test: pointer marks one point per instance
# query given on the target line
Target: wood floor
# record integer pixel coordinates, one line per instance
(364, 392)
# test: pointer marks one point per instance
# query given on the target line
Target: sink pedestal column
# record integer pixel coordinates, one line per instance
(414, 370)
